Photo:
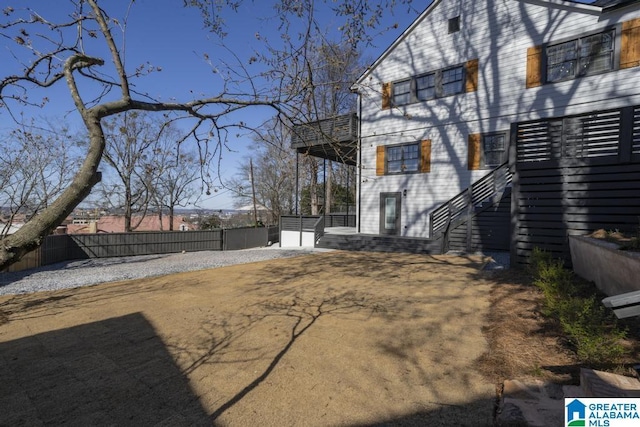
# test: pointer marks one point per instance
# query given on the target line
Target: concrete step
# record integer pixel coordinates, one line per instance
(604, 384)
(375, 243)
(538, 403)
(530, 403)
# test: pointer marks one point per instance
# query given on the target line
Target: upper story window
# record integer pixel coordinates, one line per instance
(580, 57)
(454, 24)
(436, 84)
(452, 81)
(426, 87)
(402, 92)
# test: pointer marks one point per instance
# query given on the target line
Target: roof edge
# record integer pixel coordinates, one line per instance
(397, 41)
(615, 5)
(433, 5)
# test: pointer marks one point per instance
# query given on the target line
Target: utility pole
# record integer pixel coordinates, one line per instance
(253, 192)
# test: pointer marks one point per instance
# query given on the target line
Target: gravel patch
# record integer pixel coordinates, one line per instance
(73, 274)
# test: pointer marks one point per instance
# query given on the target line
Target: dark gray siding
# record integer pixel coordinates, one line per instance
(574, 175)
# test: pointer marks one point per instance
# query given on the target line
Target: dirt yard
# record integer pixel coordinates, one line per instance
(338, 338)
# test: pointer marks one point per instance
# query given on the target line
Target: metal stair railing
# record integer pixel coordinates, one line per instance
(489, 187)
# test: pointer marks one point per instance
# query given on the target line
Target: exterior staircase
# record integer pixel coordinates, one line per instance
(477, 218)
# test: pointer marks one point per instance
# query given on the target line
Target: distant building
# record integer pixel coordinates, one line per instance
(115, 224)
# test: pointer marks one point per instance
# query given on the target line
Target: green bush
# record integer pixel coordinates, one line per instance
(591, 328)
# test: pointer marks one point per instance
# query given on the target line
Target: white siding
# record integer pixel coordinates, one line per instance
(497, 33)
(289, 239)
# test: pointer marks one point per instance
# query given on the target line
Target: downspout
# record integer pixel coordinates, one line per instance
(359, 157)
(297, 179)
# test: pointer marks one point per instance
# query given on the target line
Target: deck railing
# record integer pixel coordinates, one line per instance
(335, 129)
(339, 220)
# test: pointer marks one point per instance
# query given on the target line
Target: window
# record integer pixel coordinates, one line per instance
(402, 92)
(494, 149)
(406, 158)
(454, 25)
(436, 84)
(426, 87)
(403, 158)
(452, 81)
(487, 151)
(580, 57)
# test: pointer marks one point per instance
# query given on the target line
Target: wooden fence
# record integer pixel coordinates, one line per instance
(574, 175)
(58, 248)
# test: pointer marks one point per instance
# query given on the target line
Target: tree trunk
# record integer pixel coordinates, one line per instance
(30, 236)
(170, 218)
(127, 210)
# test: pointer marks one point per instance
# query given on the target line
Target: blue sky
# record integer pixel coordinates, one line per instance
(173, 38)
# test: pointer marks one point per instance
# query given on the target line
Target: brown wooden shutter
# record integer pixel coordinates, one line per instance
(630, 44)
(425, 156)
(472, 75)
(380, 160)
(534, 66)
(386, 96)
(475, 151)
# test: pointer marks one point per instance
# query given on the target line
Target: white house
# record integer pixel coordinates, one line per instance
(437, 107)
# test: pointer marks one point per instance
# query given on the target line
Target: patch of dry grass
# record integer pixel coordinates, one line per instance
(522, 342)
(525, 344)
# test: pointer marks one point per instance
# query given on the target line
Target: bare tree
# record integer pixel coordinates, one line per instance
(131, 141)
(274, 173)
(35, 167)
(50, 54)
(173, 174)
(329, 69)
(339, 66)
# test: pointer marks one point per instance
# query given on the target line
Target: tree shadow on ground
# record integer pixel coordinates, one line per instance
(237, 332)
(447, 415)
(304, 306)
(304, 315)
(112, 372)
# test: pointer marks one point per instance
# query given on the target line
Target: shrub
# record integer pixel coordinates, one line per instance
(591, 328)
